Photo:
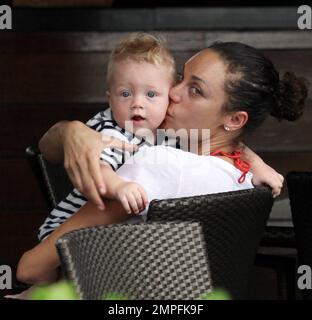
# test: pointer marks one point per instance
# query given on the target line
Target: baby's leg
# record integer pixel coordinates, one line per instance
(39, 264)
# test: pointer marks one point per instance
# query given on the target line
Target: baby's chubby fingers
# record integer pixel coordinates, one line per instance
(132, 197)
(276, 191)
(277, 186)
(281, 178)
(139, 200)
(133, 202)
(143, 196)
(125, 203)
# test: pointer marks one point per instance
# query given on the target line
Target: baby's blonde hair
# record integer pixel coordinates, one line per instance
(141, 47)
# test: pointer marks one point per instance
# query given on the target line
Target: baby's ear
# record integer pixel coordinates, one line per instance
(108, 96)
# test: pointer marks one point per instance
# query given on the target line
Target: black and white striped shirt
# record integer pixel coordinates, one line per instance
(101, 122)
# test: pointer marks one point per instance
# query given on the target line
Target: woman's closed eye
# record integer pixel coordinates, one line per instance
(195, 91)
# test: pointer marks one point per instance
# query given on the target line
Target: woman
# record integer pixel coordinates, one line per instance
(228, 88)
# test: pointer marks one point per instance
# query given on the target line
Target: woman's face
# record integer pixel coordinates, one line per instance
(197, 100)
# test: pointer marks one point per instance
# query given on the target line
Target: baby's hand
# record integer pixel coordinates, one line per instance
(264, 174)
(132, 197)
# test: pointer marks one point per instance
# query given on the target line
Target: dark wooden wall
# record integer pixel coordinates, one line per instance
(47, 77)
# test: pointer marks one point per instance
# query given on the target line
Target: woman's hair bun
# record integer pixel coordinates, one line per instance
(291, 96)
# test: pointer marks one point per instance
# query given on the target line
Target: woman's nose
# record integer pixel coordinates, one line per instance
(174, 94)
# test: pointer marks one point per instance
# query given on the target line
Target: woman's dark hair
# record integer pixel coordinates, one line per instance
(253, 85)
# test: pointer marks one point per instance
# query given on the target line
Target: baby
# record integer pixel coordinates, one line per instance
(140, 73)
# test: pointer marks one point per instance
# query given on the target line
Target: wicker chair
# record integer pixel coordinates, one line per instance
(140, 261)
(300, 195)
(52, 179)
(233, 222)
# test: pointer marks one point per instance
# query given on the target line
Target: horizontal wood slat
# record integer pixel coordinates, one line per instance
(152, 17)
(19, 187)
(54, 78)
(23, 125)
(61, 3)
(176, 40)
(57, 78)
(285, 162)
(80, 77)
(94, 41)
(274, 136)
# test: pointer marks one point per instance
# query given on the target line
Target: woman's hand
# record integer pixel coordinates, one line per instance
(132, 197)
(80, 147)
(264, 174)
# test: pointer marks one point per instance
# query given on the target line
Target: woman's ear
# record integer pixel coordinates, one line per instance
(236, 120)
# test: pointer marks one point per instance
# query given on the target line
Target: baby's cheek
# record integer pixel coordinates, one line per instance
(120, 117)
(161, 114)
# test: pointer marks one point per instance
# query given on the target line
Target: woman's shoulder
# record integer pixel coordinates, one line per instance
(232, 172)
(214, 169)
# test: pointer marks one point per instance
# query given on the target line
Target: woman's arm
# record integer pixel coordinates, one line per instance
(39, 264)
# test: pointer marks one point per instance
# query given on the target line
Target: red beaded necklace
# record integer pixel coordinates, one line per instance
(240, 164)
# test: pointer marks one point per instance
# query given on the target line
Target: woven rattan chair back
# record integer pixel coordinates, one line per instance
(233, 224)
(139, 261)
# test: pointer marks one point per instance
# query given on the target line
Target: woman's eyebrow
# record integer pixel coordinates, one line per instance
(199, 79)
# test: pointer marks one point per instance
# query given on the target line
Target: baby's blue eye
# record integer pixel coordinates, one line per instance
(125, 94)
(151, 94)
